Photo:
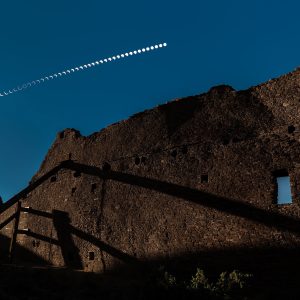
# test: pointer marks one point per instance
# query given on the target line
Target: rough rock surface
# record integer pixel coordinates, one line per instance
(190, 180)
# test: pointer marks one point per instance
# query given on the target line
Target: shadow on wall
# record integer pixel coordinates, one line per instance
(217, 113)
(275, 270)
(233, 207)
(65, 231)
(229, 206)
(62, 222)
(273, 266)
(24, 254)
(178, 113)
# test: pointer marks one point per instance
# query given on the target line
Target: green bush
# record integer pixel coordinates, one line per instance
(199, 280)
(231, 285)
(168, 280)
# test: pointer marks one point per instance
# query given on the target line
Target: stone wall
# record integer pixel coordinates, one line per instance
(186, 181)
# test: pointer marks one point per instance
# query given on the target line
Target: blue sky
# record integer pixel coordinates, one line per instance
(284, 195)
(241, 43)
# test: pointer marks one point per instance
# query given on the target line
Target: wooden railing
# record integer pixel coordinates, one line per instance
(17, 199)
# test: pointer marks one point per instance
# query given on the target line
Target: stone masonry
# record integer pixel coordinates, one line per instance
(189, 178)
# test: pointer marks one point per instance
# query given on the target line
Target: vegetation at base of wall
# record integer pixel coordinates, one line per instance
(28, 283)
(229, 285)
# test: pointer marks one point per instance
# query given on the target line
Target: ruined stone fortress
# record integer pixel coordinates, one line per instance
(190, 182)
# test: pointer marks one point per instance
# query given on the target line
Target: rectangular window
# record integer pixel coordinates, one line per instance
(91, 255)
(204, 178)
(284, 195)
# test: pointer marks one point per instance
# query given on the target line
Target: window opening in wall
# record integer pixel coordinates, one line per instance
(291, 129)
(174, 153)
(225, 141)
(35, 243)
(93, 187)
(184, 149)
(137, 160)
(284, 194)
(73, 190)
(91, 255)
(106, 167)
(204, 178)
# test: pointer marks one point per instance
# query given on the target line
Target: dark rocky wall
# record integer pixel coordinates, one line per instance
(192, 177)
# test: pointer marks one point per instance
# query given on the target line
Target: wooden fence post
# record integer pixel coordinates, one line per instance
(14, 233)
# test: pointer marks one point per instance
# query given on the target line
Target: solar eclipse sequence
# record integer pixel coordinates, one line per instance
(80, 68)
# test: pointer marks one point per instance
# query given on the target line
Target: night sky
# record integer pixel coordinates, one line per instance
(240, 43)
